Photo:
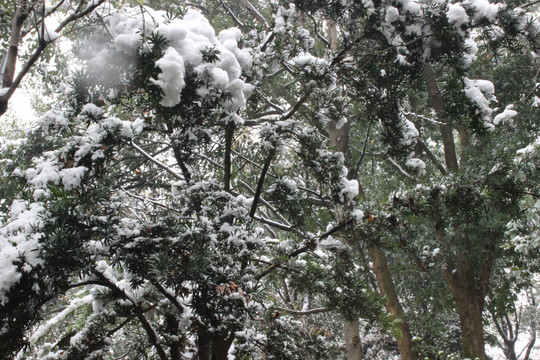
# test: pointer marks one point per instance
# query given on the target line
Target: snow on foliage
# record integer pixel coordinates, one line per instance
(142, 181)
(506, 115)
(20, 243)
(481, 93)
(189, 38)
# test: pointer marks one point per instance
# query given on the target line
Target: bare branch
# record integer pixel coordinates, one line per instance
(139, 313)
(399, 168)
(431, 156)
(297, 106)
(226, 8)
(304, 312)
(155, 161)
(260, 183)
(322, 38)
(256, 14)
(229, 133)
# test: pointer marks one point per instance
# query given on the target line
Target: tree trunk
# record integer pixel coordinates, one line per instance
(387, 288)
(220, 347)
(7, 65)
(204, 351)
(213, 346)
(437, 103)
(352, 340)
(510, 351)
(469, 298)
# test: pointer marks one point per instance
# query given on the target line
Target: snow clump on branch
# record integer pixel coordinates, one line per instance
(189, 39)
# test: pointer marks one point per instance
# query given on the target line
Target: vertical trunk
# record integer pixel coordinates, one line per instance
(352, 340)
(172, 328)
(386, 287)
(510, 351)
(472, 331)
(21, 13)
(220, 347)
(204, 351)
(437, 102)
(469, 300)
(213, 346)
(340, 139)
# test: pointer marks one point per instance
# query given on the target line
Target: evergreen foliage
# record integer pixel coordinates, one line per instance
(239, 194)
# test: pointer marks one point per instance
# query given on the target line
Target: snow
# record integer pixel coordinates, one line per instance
(92, 110)
(188, 38)
(418, 165)
(392, 14)
(357, 214)
(50, 35)
(481, 93)
(409, 133)
(457, 15)
(332, 244)
(350, 189)
(68, 310)
(229, 39)
(413, 7)
(127, 43)
(283, 18)
(171, 78)
(506, 115)
(72, 177)
(19, 240)
(45, 171)
(483, 9)
(471, 51)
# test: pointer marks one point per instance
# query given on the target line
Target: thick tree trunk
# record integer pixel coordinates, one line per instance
(510, 351)
(213, 346)
(469, 296)
(387, 288)
(352, 340)
(221, 346)
(204, 345)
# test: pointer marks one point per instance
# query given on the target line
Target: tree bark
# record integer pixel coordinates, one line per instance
(469, 300)
(387, 289)
(353, 343)
(437, 102)
(204, 351)
(8, 71)
(340, 139)
(352, 340)
(221, 346)
(213, 346)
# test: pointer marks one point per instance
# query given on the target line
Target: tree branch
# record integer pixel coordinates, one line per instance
(256, 14)
(229, 133)
(226, 8)
(446, 128)
(261, 182)
(8, 82)
(155, 161)
(304, 312)
(431, 156)
(139, 313)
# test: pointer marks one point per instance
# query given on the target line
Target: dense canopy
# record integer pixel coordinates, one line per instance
(224, 179)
